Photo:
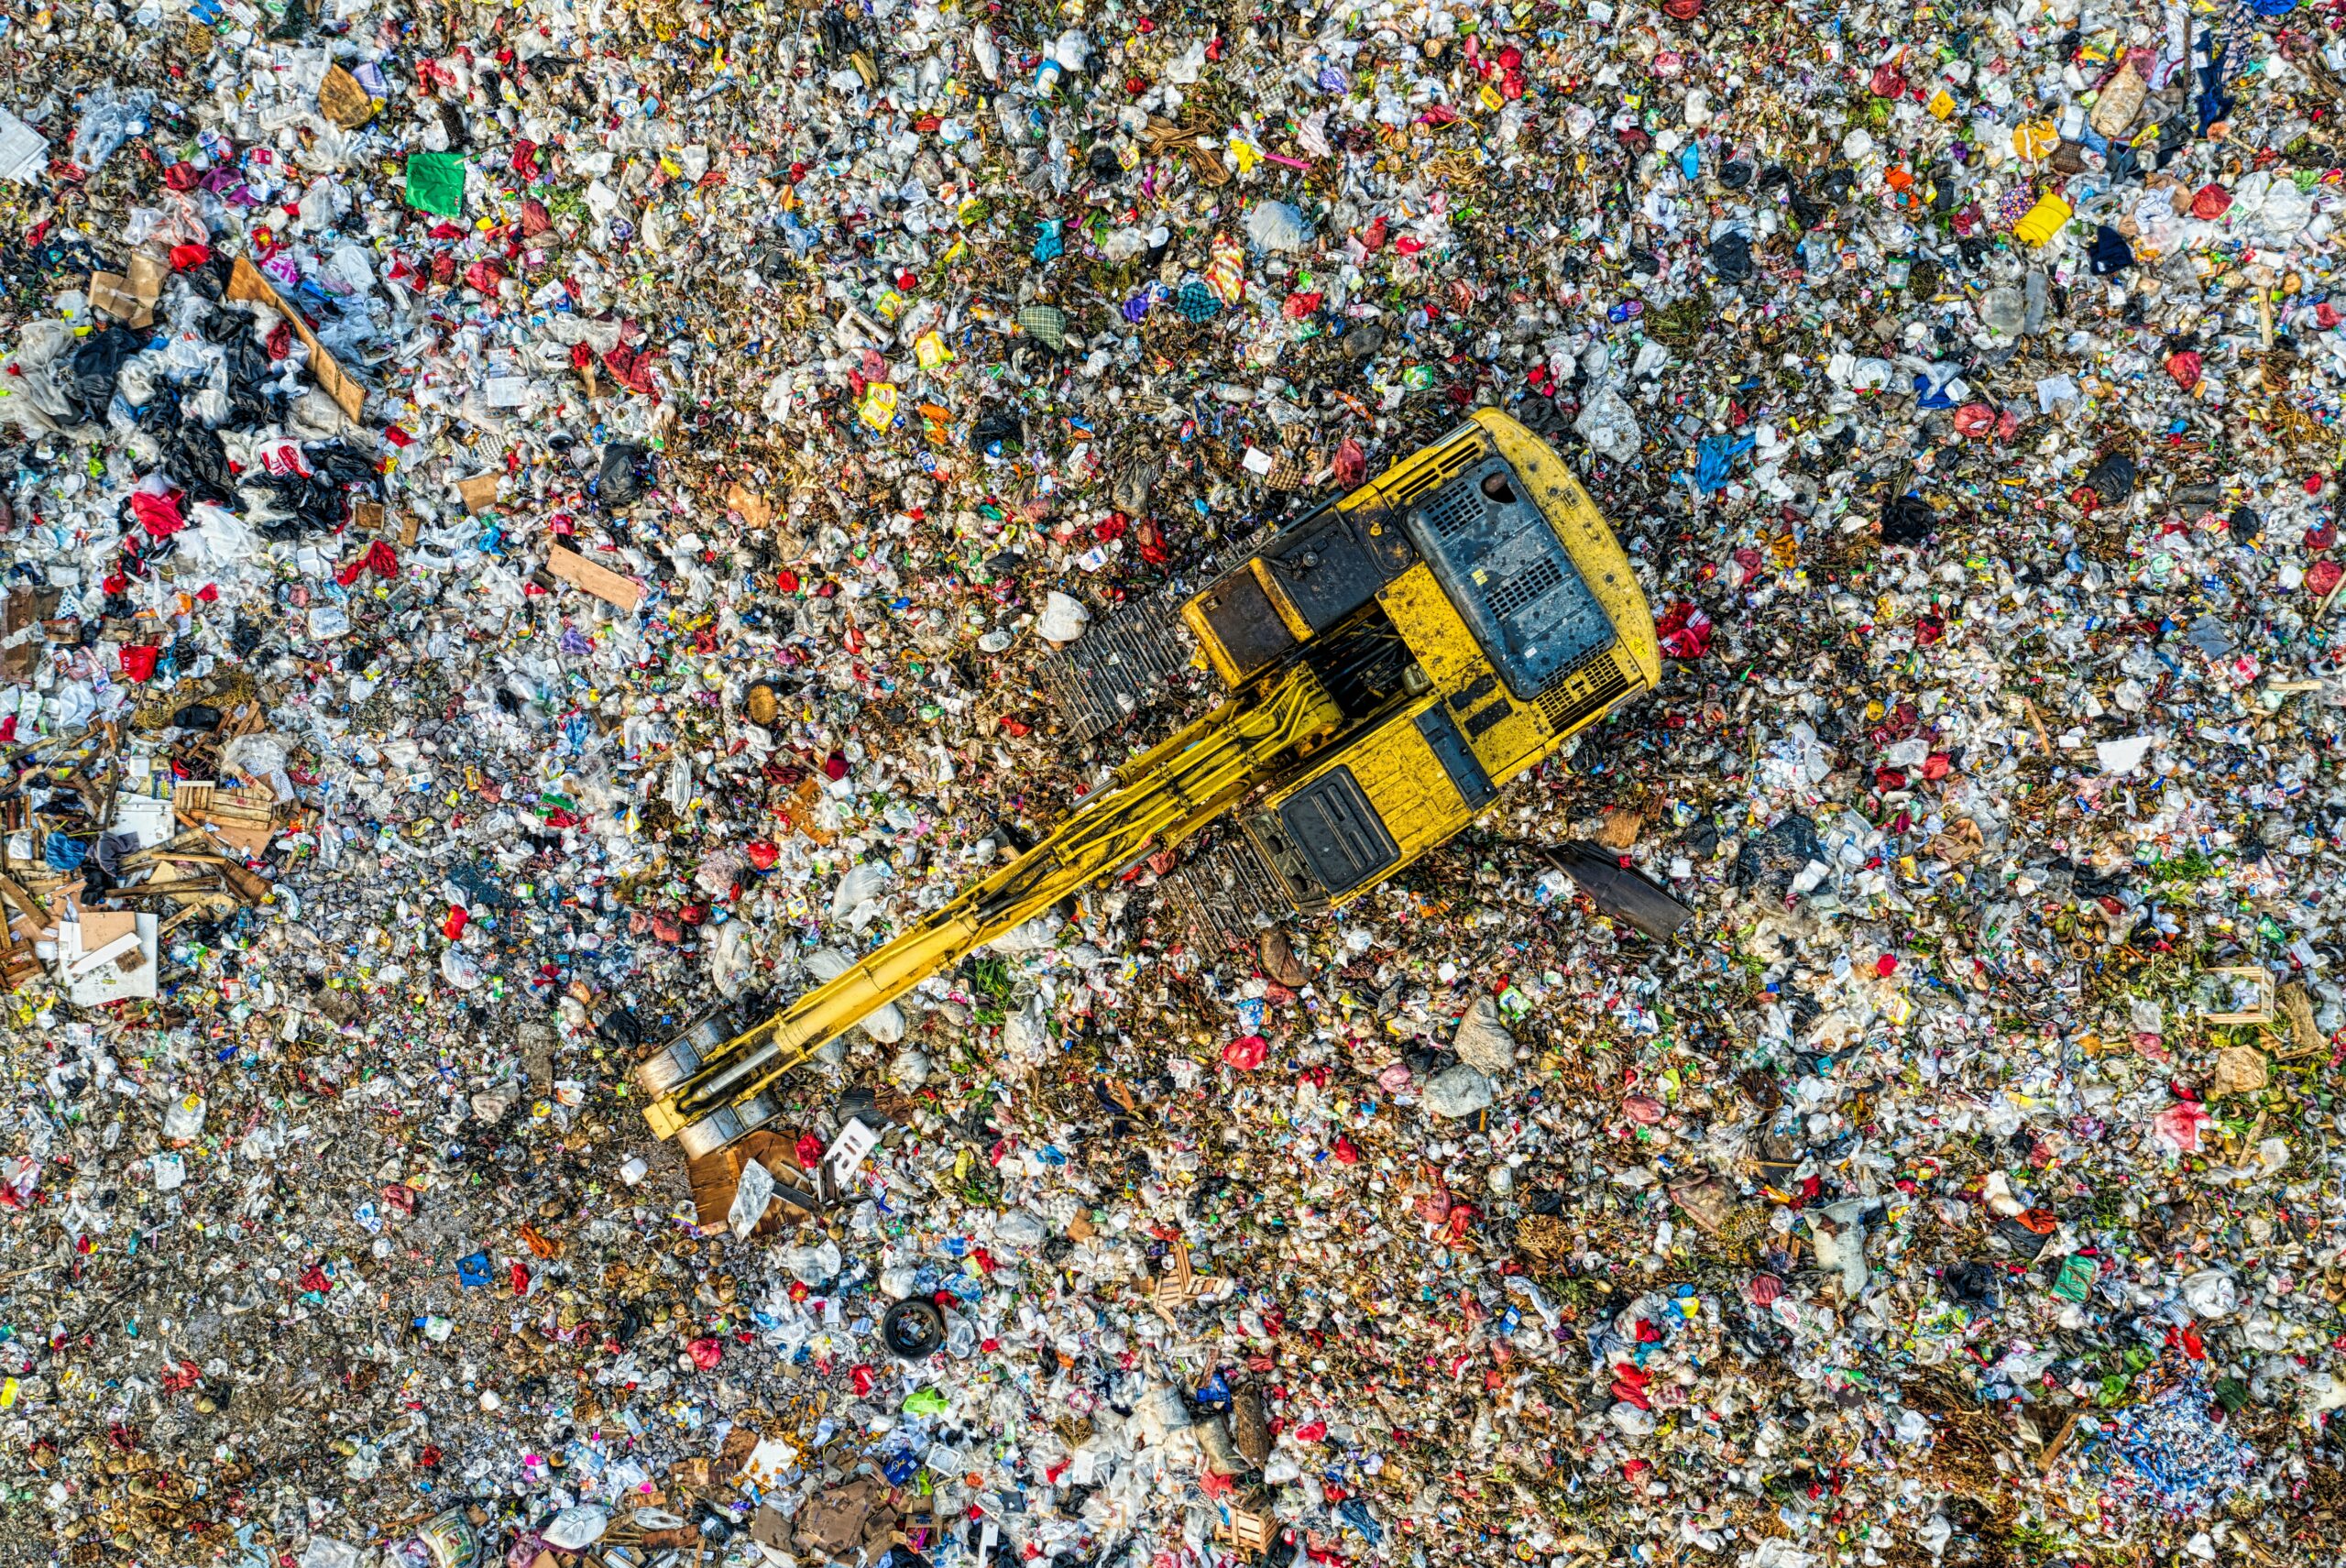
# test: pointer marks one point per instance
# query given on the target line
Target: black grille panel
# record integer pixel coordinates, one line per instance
(1586, 689)
(1454, 511)
(1446, 467)
(1525, 588)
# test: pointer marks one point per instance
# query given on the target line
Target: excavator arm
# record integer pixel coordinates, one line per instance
(705, 1090)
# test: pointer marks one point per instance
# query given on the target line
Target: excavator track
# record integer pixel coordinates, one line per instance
(1224, 892)
(1134, 659)
(1131, 661)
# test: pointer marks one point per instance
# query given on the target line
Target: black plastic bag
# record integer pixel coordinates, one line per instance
(625, 470)
(96, 364)
(1974, 1284)
(1731, 254)
(339, 465)
(249, 370)
(317, 505)
(159, 416)
(209, 278)
(2109, 252)
(194, 458)
(2113, 480)
(319, 500)
(1907, 520)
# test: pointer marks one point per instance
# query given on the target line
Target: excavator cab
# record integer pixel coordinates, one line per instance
(1391, 661)
(1469, 610)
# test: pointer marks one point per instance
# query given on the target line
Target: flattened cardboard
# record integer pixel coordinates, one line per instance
(129, 296)
(770, 1527)
(754, 508)
(108, 980)
(101, 928)
(372, 517)
(245, 282)
(478, 490)
(832, 1522)
(733, 1453)
(343, 101)
(601, 581)
(25, 607)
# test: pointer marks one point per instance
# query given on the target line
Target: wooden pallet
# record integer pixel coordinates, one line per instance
(716, 1177)
(242, 819)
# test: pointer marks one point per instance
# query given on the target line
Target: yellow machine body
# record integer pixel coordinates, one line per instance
(1406, 763)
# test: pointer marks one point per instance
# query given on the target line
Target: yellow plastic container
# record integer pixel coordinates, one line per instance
(2034, 140)
(2043, 221)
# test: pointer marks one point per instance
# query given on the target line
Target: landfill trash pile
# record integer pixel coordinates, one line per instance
(524, 522)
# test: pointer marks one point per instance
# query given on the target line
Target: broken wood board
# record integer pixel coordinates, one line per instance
(714, 1178)
(241, 819)
(26, 906)
(601, 581)
(2260, 980)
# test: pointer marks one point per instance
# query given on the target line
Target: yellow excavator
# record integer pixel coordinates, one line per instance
(1390, 661)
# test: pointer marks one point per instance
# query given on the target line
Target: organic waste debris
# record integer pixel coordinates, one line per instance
(521, 523)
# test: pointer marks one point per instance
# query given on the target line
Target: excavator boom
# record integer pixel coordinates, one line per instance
(706, 1098)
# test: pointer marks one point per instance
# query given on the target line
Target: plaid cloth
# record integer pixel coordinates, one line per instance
(1048, 323)
(1196, 301)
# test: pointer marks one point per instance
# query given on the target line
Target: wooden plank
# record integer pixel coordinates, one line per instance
(246, 886)
(601, 581)
(14, 892)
